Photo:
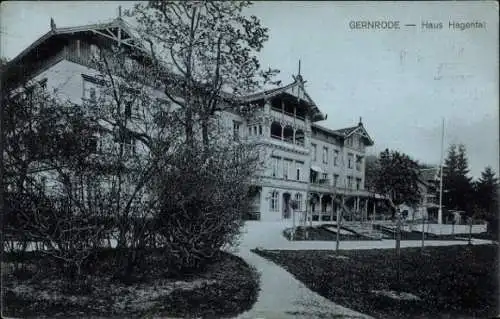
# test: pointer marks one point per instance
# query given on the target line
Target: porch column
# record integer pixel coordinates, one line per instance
(357, 206)
(331, 213)
(282, 132)
(320, 213)
(294, 131)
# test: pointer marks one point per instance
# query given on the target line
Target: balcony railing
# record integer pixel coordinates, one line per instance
(278, 112)
(288, 140)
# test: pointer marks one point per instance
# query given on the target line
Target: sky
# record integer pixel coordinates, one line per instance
(402, 82)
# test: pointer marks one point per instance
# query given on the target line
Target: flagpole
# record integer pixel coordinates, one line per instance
(440, 211)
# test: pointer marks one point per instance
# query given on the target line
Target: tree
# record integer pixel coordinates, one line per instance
(204, 55)
(457, 186)
(211, 49)
(372, 171)
(39, 130)
(486, 197)
(398, 178)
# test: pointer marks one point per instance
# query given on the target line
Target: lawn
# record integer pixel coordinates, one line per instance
(225, 288)
(452, 282)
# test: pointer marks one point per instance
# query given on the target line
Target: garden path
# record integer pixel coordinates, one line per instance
(283, 296)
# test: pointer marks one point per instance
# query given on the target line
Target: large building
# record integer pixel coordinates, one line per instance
(322, 169)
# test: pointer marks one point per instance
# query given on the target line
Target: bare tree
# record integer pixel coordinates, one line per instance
(210, 48)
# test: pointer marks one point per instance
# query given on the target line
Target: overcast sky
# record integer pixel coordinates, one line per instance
(401, 82)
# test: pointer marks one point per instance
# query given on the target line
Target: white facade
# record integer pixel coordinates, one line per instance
(303, 160)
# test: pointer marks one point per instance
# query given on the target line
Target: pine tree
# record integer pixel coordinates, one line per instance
(457, 185)
(486, 193)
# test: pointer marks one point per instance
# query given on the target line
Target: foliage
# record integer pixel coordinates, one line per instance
(486, 198)
(487, 192)
(40, 130)
(457, 186)
(398, 177)
(202, 201)
(211, 49)
(120, 156)
(372, 170)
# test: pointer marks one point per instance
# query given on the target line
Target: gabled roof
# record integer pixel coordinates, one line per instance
(126, 35)
(327, 130)
(295, 89)
(120, 30)
(360, 129)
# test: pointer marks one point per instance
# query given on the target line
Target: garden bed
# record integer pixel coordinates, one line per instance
(448, 282)
(320, 233)
(224, 288)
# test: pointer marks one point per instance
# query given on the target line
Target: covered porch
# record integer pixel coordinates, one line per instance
(351, 206)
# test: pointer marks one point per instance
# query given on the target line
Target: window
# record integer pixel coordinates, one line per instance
(286, 167)
(350, 158)
(94, 51)
(313, 150)
(236, 131)
(274, 202)
(358, 184)
(92, 95)
(359, 162)
(298, 199)
(298, 168)
(325, 154)
(335, 157)
(335, 180)
(128, 146)
(249, 130)
(349, 141)
(324, 178)
(349, 182)
(255, 130)
(260, 129)
(275, 162)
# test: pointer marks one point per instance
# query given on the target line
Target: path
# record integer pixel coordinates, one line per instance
(281, 295)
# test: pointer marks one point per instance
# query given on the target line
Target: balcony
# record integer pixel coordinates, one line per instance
(279, 114)
(287, 134)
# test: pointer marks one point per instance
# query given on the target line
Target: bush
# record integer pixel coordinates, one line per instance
(202, 202)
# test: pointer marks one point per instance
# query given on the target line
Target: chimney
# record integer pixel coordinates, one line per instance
(52, 24)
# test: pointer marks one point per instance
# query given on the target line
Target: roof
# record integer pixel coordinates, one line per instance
(346, 132)
(327, 130)
(429, 174)
(129, 37)
(295, 89)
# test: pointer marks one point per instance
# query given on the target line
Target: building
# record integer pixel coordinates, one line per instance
(429, 186)
(323, 170)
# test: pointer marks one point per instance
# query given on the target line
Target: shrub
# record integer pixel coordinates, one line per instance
(201, 204)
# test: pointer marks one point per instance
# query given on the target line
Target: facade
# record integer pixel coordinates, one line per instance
(321, 169)
(429, 187)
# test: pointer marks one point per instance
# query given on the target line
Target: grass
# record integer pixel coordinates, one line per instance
(452, 282)
(225, 288)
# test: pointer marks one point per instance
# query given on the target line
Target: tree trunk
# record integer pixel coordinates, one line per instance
(205, 136)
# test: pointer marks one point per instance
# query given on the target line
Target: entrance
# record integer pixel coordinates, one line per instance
(286, 205)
